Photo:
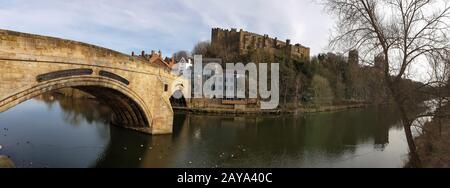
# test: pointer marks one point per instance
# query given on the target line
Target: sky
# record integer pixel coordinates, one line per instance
(166, 25)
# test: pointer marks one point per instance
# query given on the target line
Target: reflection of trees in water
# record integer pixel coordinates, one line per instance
(125, 148)
(330, 133)
(205, 138)
(133, 149)
(77, 110)
(340, 132)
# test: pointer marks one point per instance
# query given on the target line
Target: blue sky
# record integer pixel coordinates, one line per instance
(168, 25)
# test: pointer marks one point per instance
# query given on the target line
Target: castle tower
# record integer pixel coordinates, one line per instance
(380, 63)
(234, 43)
(353, 57)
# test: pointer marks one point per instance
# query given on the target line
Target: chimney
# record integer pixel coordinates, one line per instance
(132, 53)
(159, 52)
(143, 53)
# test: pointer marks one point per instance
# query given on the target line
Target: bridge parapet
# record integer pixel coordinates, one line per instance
(31, 65)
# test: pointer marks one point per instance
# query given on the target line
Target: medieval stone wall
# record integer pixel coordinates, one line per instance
(241, 42)
(31, 65)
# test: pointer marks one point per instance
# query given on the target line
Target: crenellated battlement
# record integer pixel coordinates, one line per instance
(240, 42)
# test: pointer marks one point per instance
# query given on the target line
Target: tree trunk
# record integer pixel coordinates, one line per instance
(438, 114)
(407, 123)
(414, 157)
(285, 95)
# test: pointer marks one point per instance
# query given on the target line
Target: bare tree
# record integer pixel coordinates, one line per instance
(403, 31)
(437, 86)
(181, 54)
(202, 48)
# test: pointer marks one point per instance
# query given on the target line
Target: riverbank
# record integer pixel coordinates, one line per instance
(228, 141)
(219, 110)
(331, 108)
(433, 146)
(257, 111)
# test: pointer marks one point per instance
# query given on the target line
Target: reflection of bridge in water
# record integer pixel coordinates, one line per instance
(210, 141)
(207, 141)
(136, 91)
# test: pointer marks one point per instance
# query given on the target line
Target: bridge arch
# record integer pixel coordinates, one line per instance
(32, 64)
(129, 110)
(178, 99)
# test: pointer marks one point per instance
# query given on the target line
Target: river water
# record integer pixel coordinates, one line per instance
(55, 131)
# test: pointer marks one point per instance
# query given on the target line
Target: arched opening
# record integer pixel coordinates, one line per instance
(177, 100)
(127, 108)
(126, 112)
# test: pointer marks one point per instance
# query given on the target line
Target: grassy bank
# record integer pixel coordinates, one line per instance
(330, 108)
(223, 111)
(433, 146)
(256, 111)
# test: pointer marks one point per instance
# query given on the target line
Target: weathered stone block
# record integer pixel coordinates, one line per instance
(141, 105)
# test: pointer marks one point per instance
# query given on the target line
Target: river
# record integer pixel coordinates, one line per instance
(55, 131)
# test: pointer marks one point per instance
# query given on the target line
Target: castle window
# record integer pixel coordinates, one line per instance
(166, 87)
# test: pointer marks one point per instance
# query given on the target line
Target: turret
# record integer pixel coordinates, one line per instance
(288, 42)
(353, 57)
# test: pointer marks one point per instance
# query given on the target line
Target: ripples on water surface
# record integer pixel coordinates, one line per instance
(53, 131)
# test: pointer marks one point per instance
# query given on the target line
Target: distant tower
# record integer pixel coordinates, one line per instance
(380, 62)
(353, 57)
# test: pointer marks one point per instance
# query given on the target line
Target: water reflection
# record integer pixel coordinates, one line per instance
(67, 132)
(76, 110)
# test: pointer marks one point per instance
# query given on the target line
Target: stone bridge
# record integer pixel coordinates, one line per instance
(138, 92)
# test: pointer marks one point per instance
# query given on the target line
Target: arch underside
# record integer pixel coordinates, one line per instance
(178, 100)
(126, 112)
(128, 109)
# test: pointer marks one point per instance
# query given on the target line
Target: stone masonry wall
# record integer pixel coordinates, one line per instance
(25, 56)
(241, 41)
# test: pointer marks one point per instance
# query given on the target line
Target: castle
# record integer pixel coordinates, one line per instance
(241, 42)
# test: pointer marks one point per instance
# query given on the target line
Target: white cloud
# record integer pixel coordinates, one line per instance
(301, 21)
(166, 25)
